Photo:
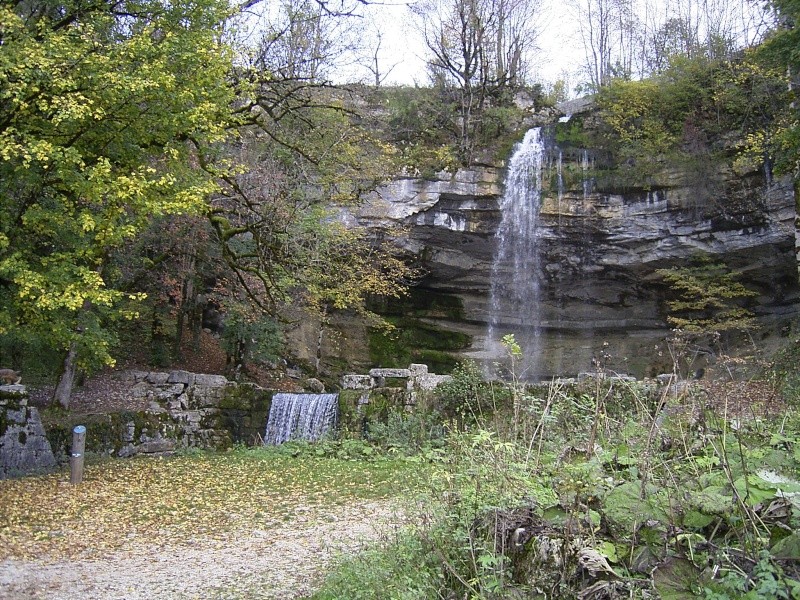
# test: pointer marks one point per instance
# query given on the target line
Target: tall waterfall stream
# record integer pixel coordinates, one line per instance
(516, 273)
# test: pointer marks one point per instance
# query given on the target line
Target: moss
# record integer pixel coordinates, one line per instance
(437, 361)
(421, 303)
(239, 397)
(377, 410)
(105, 433)
(413, 341)
(572, 134)
(350, 417)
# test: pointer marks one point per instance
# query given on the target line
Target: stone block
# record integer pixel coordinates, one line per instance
(157, 378)
(184, 377)
(127, 451)
(356, 382)
(173, 404)
(211, 381)
(385, 373)
(15, 389)
(155, 408)
(315, 385)
(156, 445)
(418, 369)
(134, 376)
(203, 397)
(431, 381)
(24, 447)
(141, 389)
(169, 393)
(129, 432)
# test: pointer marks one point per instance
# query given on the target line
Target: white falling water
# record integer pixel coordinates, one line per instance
(516, 270)
(300, 417)
(586, 165)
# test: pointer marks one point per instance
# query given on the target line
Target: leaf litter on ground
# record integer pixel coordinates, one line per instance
(176, 500)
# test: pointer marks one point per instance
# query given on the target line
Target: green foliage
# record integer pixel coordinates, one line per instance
(723, 111)
(779, 52)
(251, 336)
(96, 111)
(571, 134)
(708, 296)
(415, 341)
(404, 570)
(409, 434)
(466, 396)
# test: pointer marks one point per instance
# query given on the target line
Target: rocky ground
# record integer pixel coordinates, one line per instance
(283, 562)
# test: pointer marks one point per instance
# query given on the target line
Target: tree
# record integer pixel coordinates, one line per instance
(298, 40)
(98, 103)
(609, 32)
(481, 49)
(780, 51)
(708, 304)
(373, 59)
(277, 223)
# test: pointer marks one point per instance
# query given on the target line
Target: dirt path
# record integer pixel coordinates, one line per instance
(283, 562)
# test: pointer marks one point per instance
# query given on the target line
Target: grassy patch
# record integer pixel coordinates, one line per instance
(174, 499)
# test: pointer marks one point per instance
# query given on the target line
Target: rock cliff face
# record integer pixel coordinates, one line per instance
(599, 249)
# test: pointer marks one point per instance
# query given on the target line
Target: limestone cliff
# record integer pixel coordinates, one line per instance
(599, 250)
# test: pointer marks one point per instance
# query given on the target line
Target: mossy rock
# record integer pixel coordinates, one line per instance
(105, 433)
(350, 417)
(238, 397)
(414, 341)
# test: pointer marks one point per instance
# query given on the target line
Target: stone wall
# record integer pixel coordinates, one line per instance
(184, 410)
(24, 447)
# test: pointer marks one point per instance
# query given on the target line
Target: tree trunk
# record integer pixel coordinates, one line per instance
(63, 390)
(187, 304)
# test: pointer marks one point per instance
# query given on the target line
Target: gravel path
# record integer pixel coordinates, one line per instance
(283, 562)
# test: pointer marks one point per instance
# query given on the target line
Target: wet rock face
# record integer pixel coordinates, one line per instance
(599, 250)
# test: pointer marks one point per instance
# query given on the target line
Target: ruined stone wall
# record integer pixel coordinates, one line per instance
(24, 447)
(184, 410)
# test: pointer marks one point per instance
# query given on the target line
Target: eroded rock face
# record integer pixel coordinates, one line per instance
(599, 251)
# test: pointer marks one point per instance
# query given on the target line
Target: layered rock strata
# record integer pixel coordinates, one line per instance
(599, 252)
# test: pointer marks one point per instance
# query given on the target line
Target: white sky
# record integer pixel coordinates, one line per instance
(561, 53)
(560, 48)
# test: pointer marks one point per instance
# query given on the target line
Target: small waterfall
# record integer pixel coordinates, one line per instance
(516, 270)
(301, 417)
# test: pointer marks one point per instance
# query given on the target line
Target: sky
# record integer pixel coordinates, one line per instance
(559, 50)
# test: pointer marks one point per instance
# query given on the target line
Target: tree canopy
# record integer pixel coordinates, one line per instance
(99, 100)
(118, 117)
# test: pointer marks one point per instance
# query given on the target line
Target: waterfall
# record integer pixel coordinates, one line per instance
(586, 165)
(516, 270)
(300, 417)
